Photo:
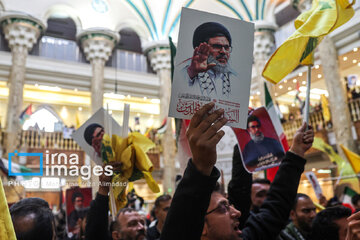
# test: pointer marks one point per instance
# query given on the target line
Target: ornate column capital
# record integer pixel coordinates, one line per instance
(264, 41)
(159, 54)
(98, 43)
(21, 29)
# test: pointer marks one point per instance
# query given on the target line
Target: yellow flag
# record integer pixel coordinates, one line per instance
(6, 227)
(325, 108)
(343, 165)
(353, 158)
(311, 26)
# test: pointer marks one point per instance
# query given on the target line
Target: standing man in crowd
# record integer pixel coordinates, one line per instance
(332, 224)
(259, 189)
(33, 219)
(128, 224)
(162, 206)
(204, 213)
(302, 215)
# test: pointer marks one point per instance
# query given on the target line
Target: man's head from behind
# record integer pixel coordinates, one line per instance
(93, 135)
(219, 40)
(303, 212)
(331, 224)
(259, 190)
(129, 225)
(33, 219)
(78, 200)
(355, 200)
(162, 206)
(221, 219)
(253, 128)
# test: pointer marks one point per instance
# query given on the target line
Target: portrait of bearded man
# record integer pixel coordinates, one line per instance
(259, 145)
(208, 71)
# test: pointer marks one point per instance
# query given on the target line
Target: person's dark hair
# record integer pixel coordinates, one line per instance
(299, 195)
(75, 195)
(324, 227)
(209, 30)
(42, 225)
(261, 181)
(162, 198)
(253, 118)
(355, 199)
(89, 131)
(115, 225)
(217, 188)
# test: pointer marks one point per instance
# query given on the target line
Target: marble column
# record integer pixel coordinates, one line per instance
(159, 54)
(264, 46)
(21, 32)
(342, 123)
(98, 45)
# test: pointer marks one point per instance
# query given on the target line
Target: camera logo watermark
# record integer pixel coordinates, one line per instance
(15, 153)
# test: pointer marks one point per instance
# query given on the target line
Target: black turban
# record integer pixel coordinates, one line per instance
(89, 131)
(209, 30)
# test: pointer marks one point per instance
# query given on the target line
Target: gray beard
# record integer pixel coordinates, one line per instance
(257, 139)
(219, 68)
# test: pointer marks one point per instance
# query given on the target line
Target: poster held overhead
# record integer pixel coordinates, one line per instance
(213, 64)
(260, 146)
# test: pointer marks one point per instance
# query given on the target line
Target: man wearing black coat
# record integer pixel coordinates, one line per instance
(198, 212)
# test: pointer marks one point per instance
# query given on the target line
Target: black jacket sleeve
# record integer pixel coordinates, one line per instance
(239, 188)
(97, 219)
(275, 210)
(185, 219)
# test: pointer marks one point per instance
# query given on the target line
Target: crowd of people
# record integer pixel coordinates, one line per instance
(252, 209)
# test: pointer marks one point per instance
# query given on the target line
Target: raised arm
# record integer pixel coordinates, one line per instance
(275, 210)
(185, 219)
(239, 188)
(97, 219)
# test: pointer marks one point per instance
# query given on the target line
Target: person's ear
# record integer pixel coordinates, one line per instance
(292, 214)
(115, 235)
(205, 230)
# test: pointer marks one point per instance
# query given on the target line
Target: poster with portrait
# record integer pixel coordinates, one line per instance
(352, 81)
(89, 135)
(77, 205)
(260, 146)
(314, 183)
(213, 64)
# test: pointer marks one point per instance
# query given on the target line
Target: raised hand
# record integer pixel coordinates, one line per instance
(203, 135)
(353, 231)
(105, 181)
(302, 140)
(199, 60)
